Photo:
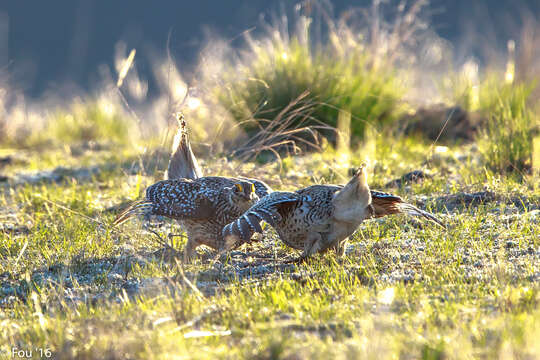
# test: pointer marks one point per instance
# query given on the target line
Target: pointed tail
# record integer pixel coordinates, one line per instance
(182, 163)
(387, 204)
(136, 208)
(414, 211)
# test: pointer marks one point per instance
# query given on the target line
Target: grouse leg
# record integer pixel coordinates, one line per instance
(339, 248)
(312, 245)
(189, 250)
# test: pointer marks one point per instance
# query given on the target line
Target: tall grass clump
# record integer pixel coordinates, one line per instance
(352, 67)
(506, 141)
(276, 78)
(82, 120)
(93, 121)
(506, 104)
(482, 93)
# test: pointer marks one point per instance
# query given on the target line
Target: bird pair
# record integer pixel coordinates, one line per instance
(224, 213)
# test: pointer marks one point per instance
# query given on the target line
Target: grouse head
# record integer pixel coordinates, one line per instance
(352, 203)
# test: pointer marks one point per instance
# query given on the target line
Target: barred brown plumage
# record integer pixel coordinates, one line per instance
(182, 163)
(220, 213)
(202, 206)
(385, 204)
(319, 217)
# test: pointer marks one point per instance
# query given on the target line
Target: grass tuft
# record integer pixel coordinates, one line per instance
(353, 68)
(90, 121)
(506, 142)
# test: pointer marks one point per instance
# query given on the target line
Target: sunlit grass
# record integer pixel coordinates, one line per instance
(83, 122)
(507, 140)
(72, 284)
(401, 291)
(273, 76)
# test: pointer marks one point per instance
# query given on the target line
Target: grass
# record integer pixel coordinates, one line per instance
(71, 284)
(509, 116)
(356, 63)
(270, 80)
(507, 140)
(79, 123)
(87, 122)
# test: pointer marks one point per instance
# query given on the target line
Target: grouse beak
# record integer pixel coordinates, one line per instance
(361, 175)
(251, 195)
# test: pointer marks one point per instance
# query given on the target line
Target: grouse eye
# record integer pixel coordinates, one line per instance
(238, 188)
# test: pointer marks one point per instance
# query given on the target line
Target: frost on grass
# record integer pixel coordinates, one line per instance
(58, 251)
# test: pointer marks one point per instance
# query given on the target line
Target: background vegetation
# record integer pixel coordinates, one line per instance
(71, 283)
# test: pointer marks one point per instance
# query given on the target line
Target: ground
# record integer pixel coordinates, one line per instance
(75, 286)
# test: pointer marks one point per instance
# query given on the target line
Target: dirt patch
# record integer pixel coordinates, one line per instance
(443, 123)
(415, 176)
